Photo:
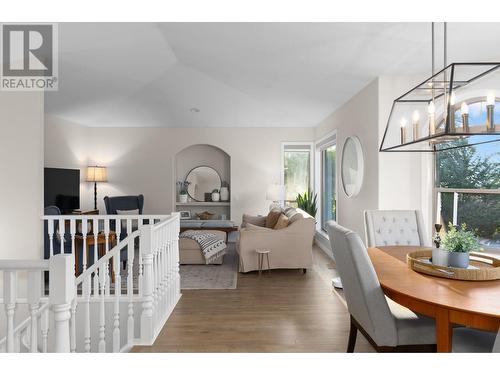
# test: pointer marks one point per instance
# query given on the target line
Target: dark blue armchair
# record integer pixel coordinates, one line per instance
(123, 203)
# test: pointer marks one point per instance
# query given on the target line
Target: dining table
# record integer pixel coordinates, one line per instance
(474, 304)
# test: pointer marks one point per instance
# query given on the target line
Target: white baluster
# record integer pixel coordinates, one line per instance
(147, 287)
(62, 291)
(72, 231)
(44, 328)
(96, 254)
(130, 286)
(73, 324)
(50, 231)
(85, 230)
(116, 315)
(108, 266)
(140, 277)
(9, 297)
(87, 286)
(62, 232)
(34, 294)
(102, 311)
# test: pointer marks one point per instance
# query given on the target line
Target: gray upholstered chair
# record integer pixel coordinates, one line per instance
(467, 340)
(394, 227)
(386, 325)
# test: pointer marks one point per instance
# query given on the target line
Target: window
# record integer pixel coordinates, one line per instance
(326, 179)
(328, 191)
(296, 170)
(468, 190)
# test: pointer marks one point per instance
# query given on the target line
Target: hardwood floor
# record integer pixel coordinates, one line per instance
(286, 311)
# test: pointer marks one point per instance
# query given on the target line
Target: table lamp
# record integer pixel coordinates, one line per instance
(96, 174)
(275, 193)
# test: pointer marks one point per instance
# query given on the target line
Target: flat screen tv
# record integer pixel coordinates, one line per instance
(62, 189)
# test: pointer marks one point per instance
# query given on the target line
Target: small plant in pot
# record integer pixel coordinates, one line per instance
(460, 242)
(183, 191)
(307, 202)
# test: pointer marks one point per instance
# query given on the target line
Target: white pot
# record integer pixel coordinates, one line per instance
(215, 197)
(440, 257)
(224, 194)
(459, 260)
(183, 198)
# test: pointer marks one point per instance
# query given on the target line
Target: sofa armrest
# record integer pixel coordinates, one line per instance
(259, 221)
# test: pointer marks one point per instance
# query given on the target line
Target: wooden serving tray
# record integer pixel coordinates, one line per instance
(482, 267)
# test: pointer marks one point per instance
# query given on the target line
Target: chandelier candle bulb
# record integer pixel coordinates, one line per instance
(416, 125)
(403, 131)
(465, 117)
(432, 119)
(490, 112)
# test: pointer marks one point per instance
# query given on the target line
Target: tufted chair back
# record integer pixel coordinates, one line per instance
(364, 296)
(394, 228)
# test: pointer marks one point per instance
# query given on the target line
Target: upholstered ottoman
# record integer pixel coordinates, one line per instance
(190, 251)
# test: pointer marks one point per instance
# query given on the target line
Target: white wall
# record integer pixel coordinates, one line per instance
(392, 180)
(358, 117)
(141, 160)
(21, 166)
(405, 179)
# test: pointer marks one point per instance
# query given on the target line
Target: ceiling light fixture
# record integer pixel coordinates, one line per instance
(455, 107)
(194, 110)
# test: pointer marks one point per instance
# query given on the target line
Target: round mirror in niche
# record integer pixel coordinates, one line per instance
(352, 166)
(202, 180)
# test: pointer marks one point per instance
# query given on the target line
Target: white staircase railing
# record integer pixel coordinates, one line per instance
(98, 307)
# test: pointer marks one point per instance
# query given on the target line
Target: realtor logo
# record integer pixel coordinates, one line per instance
(28, 57)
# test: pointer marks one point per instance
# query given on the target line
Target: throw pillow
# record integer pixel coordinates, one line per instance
(272, 217)
(255, 220)
(282, 222)
(124, 222)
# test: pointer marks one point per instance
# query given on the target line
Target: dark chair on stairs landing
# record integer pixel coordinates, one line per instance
(388, 326)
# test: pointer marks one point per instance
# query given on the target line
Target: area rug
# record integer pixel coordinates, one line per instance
(212, 276)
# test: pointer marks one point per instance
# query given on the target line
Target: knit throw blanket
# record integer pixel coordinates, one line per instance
(211, 246)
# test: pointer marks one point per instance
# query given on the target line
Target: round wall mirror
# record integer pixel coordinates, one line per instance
(352, 166)
(202, 180)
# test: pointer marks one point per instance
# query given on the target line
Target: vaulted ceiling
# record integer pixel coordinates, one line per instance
(239, 74)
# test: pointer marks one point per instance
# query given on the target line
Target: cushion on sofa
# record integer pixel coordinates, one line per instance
(282, 222)
(257, 227)
(272, 217)
(259, 221)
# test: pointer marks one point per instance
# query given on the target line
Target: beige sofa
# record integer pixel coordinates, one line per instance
(190, 251)
(290, 247)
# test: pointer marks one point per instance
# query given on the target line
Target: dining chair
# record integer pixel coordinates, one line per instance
(394, 227)
(388, 326)
(466, 340)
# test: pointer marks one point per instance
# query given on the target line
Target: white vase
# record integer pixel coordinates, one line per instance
(224, 194)
(183, 198)
(215, 197)
(440, 257)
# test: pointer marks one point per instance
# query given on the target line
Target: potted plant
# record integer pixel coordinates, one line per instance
(183, 191)
(307, 202)
(459, 242)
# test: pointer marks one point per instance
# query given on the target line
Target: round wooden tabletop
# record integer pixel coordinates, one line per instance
(471, 303)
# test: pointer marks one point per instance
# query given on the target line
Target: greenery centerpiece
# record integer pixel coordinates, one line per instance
(460, 241)
(308, 202)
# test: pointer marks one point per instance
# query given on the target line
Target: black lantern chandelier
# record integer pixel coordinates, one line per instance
(456, 107)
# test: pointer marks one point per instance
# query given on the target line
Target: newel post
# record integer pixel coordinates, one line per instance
(147, 325)
(62, 291)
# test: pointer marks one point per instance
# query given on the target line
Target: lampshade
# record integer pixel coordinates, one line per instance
(97, 174)
(275, 192)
